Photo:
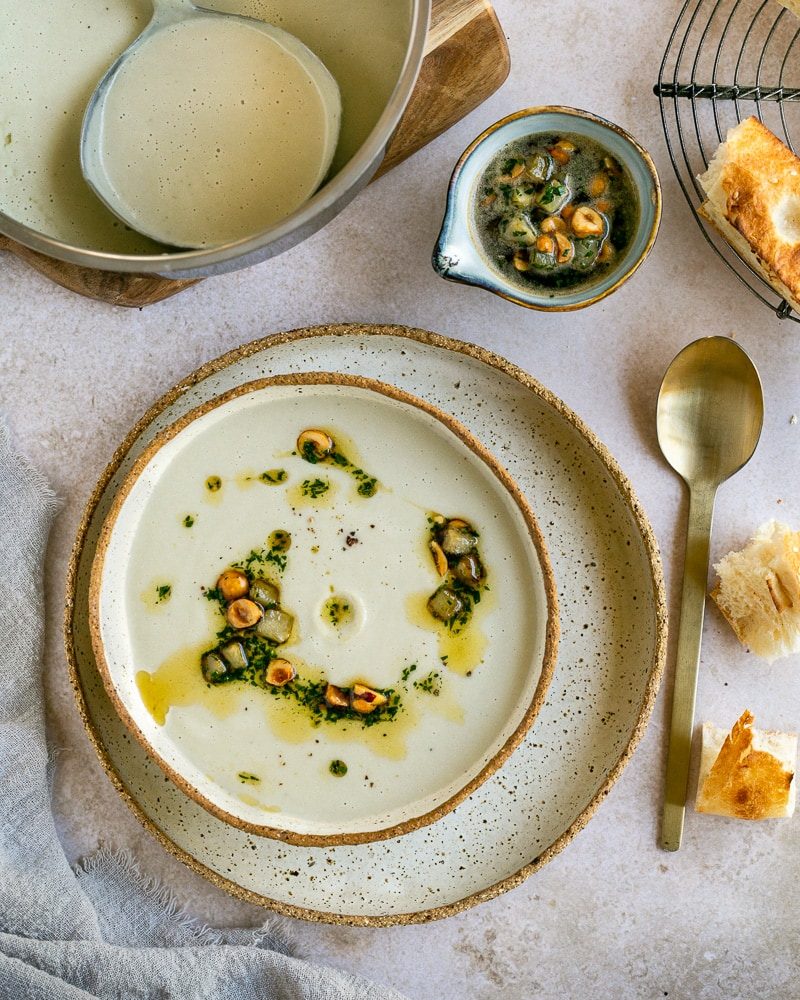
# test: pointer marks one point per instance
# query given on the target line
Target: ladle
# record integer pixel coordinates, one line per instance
(314, 159)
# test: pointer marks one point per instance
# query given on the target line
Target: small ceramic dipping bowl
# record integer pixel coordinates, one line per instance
(460, 254)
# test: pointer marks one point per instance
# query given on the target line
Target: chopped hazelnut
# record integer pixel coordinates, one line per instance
(365, 700)
(315, 443)
(439, 558)
(280, 672)
(335, 697)
(243, 613)
(232, 584)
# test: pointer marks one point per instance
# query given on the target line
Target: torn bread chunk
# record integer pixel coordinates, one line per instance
(747, 773)
(758, 591)
(752, 188)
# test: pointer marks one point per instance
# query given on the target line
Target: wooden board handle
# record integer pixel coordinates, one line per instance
(469, 60)
(132, 290)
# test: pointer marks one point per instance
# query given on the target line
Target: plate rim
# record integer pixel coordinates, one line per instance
(623, 485)
(500, 474)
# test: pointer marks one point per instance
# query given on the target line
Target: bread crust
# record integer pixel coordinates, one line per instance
(746, 782)
(753, 186)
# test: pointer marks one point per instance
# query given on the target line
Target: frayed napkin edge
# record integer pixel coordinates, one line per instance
(51, 500)
(267, 935)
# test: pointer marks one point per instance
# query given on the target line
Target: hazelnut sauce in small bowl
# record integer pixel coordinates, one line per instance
(552, 208)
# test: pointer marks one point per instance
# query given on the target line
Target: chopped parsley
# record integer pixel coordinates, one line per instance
(367, 484)
(273, 476)
(188, 521)
(310, 453)
(430, 684)
(213, 484)
(314, 488)
(254, 564)
(407, 672)
(338, 768)
(163, 592)
(337, 611)
(249, 779)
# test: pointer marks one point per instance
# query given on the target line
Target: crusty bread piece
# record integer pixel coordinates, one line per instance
(747, 773)
(759, 591)
(752, 188)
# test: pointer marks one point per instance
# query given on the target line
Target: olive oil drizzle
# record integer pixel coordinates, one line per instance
(307, 694)
(297, 709)
(459, 652)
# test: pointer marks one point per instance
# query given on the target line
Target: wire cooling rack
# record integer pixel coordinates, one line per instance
(726, 60)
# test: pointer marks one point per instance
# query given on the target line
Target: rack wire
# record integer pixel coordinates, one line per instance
(726, 60)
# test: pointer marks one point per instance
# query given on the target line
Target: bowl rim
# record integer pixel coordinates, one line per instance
(508, 293)
(551, 627)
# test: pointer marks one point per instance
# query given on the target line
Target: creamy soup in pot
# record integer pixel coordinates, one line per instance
(214, 130)
(53, 52)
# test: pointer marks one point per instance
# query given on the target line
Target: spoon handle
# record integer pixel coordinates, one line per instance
(693, 601)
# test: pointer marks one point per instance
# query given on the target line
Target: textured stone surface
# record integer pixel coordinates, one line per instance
(612, 915)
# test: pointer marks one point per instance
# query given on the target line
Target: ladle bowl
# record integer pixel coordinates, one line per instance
(194, 209)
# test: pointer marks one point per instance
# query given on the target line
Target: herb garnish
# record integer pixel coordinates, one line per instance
(255, 563)
(163, 592)
(337, 611)
(430, 684)
(367, 484)
(273, 476)
(314, 488)
(407, 672)
(259, 651)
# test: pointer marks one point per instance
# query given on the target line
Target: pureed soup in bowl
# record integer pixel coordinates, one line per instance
(552, 208)
(318, 636)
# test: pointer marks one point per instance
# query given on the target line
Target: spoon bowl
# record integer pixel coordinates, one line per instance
(710, 411)
(709, 417)
(209, 127)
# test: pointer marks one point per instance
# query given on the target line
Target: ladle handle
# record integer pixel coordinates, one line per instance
(164, 10)
(693, 602)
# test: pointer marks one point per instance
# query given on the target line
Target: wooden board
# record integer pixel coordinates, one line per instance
(466, 60)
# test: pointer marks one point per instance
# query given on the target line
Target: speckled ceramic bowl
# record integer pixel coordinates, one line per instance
(460, 255)
(259, 760)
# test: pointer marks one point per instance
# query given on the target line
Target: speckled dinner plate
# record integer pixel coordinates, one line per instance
(613, 635)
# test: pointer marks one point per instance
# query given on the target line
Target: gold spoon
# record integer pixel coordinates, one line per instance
(710, 412)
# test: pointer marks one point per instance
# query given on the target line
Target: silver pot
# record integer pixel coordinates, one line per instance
(310, 217)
